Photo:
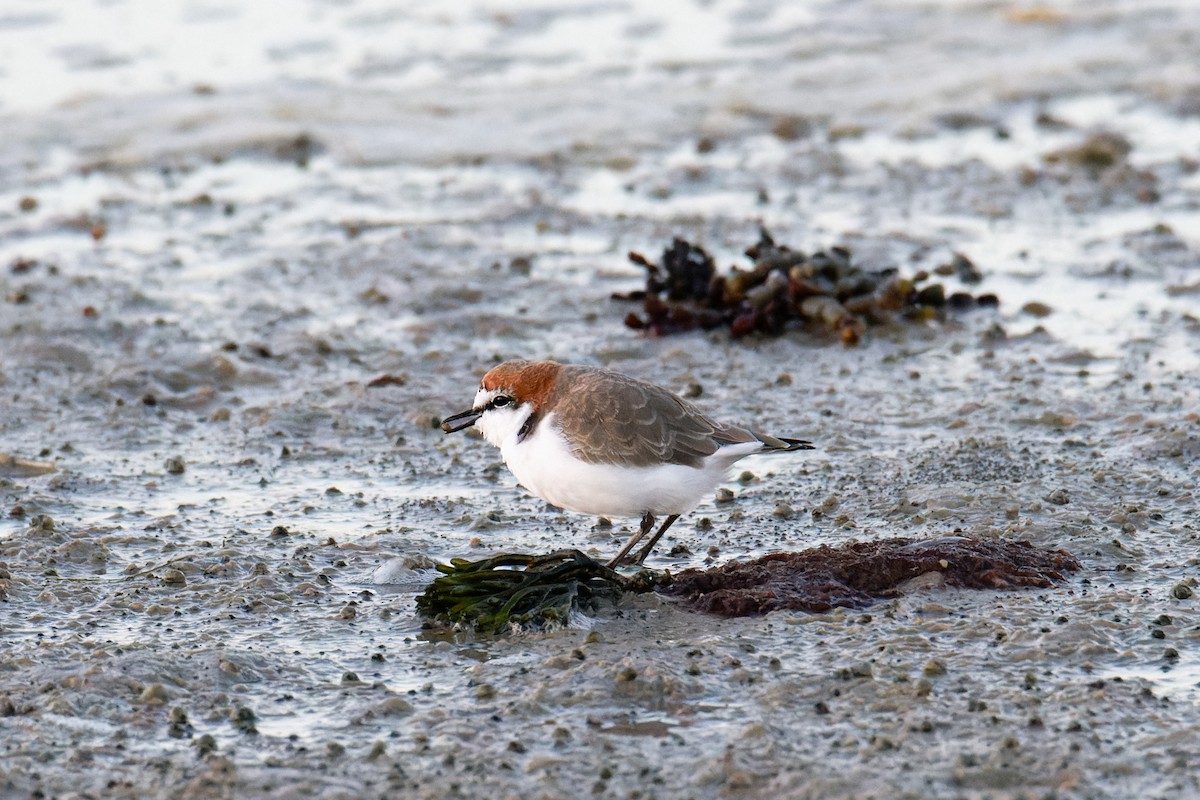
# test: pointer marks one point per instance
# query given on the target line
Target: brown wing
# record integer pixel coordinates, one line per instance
(654, 426)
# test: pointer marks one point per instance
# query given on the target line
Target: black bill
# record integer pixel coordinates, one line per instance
(464, 420)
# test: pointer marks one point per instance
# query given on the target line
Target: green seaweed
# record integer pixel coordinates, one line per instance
(513, 590)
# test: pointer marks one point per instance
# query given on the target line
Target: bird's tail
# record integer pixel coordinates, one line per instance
(783, 445)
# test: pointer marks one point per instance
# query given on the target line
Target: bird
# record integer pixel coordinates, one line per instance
(599, 442)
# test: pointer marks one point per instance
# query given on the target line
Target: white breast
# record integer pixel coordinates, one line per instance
(544, 464)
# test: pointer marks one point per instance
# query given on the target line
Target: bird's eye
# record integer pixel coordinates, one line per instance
(500, 401)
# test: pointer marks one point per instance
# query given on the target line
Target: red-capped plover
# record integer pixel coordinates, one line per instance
(598, 442)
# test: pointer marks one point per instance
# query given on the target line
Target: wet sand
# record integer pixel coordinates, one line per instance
(216, 517)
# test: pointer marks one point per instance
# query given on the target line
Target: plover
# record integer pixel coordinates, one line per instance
(598, 442)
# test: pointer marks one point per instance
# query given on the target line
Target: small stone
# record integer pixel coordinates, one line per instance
(1058, 497)
(784, 511)
(243, 719)
(154, 695)
(174, 577)
(393, 707)
(1181, 591)
(485, 691)
(175, 465)
(725, 495)
(204, 744)
(746, 478)
(1036, 309)
(862, 669)
(933, 668)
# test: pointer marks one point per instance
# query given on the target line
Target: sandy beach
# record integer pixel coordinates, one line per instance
(249, 259)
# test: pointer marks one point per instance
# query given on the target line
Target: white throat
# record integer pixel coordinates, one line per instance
(501, 426)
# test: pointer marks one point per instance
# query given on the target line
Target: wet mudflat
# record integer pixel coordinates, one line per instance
(240, 284)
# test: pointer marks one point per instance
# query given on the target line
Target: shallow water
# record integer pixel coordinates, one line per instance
(239, 220)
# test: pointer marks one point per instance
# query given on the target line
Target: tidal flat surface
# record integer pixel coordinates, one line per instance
(248, 258)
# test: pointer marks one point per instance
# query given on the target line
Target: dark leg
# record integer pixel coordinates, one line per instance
(650, 545)
(647, 524)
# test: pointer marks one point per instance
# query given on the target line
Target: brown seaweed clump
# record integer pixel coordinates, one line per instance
(824, 291)
(858, 575)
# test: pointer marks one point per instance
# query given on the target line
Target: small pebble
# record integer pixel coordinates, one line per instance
(934, 667)
(174, 577)
(243, 719)
(393, 707)
(1058, 497)
(155, 695)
